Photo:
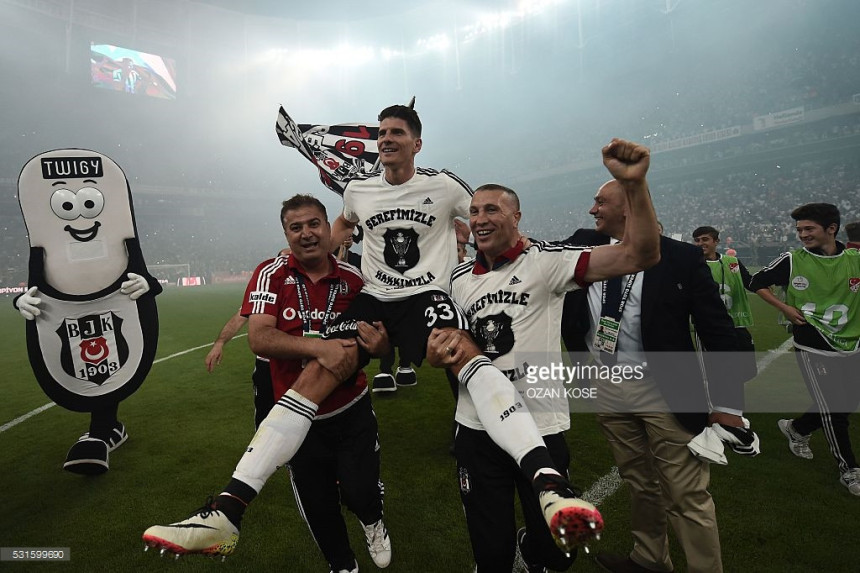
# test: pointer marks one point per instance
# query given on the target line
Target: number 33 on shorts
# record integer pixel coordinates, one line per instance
(441, 310)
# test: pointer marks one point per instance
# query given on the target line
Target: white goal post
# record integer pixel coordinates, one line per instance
(169, 273)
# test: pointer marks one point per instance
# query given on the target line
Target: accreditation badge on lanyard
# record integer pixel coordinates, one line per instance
(308, 330)
(613, 299)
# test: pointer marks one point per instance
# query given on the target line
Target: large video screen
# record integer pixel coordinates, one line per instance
(130, 71)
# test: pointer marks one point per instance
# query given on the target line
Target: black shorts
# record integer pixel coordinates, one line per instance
(489, 479)
(408, 321)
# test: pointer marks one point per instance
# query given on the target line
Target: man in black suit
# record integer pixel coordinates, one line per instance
(645, 320)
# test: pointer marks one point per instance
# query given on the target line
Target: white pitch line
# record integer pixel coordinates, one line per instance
(41, 409)
(773, 355)
(608, 484)
(604, 487)
(20, 419)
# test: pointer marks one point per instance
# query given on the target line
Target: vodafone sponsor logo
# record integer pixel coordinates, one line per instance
(316, 314)
(262, 296)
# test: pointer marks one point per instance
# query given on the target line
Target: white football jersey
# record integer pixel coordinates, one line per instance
(409, 240)
(514, 315)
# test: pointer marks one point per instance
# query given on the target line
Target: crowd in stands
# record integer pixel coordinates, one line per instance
(215, 236)
(750, 207)
(13, 236)
(685, 100)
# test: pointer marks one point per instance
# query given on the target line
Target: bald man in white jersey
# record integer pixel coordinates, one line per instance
(513, 294)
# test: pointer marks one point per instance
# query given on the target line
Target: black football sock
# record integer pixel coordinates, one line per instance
(234, 500)
(535, 461)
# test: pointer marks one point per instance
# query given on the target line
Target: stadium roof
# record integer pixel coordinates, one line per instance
(343, 10)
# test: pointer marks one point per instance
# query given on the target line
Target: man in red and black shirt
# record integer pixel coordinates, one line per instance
(290, 302)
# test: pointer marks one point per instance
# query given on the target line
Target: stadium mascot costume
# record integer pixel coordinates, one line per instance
(92, 322)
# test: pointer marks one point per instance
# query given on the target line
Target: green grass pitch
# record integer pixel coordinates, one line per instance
(188, 428)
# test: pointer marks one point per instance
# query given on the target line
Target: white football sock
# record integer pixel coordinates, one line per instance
(546, 471)
(277, 440)
(494, 395)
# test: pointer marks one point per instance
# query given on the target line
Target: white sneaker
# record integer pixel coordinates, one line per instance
(118, 436)
(353, 570)
(851, 480)
(384, 383)
(207, 531)
(406, 377)
(378, 543)
(797, 443)
(88, 456)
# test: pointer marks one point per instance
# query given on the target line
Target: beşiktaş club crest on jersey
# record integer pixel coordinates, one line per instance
(401, 249)
(465, 480)
(93, 347)
(494, 335)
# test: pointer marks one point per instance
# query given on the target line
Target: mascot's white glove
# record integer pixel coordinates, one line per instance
(28, 304)
(135, 287)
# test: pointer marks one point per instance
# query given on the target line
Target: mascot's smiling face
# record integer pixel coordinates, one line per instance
(77, 207)
(86, 203)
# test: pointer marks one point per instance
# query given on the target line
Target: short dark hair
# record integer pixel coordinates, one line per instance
(512, 195)
(824, 214)
(298, 201)
(853, 231)
(707, 230)
(406, 113)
